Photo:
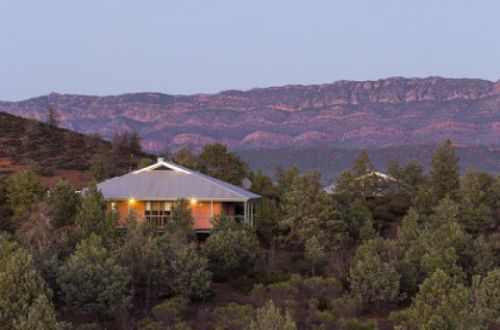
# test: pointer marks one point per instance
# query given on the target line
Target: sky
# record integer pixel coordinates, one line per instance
(104, 47)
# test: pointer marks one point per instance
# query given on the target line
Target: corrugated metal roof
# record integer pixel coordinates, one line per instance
(158, 184)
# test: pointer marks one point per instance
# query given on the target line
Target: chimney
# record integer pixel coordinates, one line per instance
(160, 159)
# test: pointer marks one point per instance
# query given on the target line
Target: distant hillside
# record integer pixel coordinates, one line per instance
(331, 162)
(343, 114)
(54, 152)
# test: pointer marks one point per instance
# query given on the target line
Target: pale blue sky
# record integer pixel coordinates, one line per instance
(114, 46)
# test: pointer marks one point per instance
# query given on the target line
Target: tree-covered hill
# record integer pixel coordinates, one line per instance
(57, 152)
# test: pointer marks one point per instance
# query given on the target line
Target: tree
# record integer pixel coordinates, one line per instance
(101, 165)
(262, 185)
(488, 297)
(488, 253)
(41, 315)
(232, 248)
(189, 272)
(63, 203)
(233, 316)
(52, 116)
(92, 282)
(306, 209)
(180, 225)
(353, 217)
(412, 176)
(314, 253)
(476, 214)
(24, 192)
(126, 144)
(142, 253)
(169, 312)
(186, 157)
(216, 161)
(394, 168)
(93, 216)
(445, 176)
(441, 303)
(348, 186)
(372, 280)
(271, 317)
(24, 302)
(363, 164)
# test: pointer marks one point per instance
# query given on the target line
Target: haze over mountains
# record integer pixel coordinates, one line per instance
(344, 114)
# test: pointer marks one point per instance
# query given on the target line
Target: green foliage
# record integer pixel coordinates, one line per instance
(373, 280)
(445, 171)
(362, 164)
(24, 302)
(314, 253)
(185, 156)
(142, 252)
(353, 220)
(216, 161)
(170, 310)
(268, 218)
(232, 316)
(475, 204)
(92, 282)
(63, 203)
(180, 225)
(232, 248)
(348, 186)
(41, 315)
(441, 303)
(144, 162)
(355, 324)
(488, 253)
(308, 298)
(189, 272)
(412, 177)
(488, 297)
(24, 191)
(262, 185)
(307, 210)
(101, 165)
(271, 317)
(93, 218)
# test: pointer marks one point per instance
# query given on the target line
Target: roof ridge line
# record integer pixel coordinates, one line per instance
(217, 182)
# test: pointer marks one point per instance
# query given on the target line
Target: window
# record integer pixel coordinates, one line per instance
(157, 213)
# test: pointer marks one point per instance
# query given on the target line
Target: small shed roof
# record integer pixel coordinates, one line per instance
(168, 181)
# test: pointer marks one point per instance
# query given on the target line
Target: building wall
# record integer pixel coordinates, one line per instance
(201, 210)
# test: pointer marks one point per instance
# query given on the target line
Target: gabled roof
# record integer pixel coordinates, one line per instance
(168, 181)
(376, 174)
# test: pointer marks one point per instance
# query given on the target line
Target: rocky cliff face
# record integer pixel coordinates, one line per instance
(348, 114)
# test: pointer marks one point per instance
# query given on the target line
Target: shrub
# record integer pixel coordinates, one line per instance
(92, 282)
(272, 317)
(232, 316)
(232, 248)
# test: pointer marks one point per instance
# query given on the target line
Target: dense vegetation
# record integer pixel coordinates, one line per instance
(422, 252)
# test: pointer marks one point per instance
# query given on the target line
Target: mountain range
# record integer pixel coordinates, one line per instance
(343, 114)
(315, 127)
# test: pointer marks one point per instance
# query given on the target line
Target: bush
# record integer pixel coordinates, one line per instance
(373, 281)
(170, 310)
(232, 316)
(92, 282)
(232, 248)
(272, 317)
